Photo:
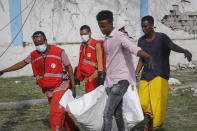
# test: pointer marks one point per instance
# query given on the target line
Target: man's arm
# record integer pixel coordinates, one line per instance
(77, 81)
(139, 67)
(134, 49)
(179, 49)
(142, 54)
(17, 66)
(69, 69)
(175, 47)
(150, 62)
(99, 57)
(100, 64)
(70, 72)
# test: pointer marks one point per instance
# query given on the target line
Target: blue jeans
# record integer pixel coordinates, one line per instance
(114, 106)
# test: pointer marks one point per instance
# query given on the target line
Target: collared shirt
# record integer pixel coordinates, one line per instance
(119, 62)
(65, 84)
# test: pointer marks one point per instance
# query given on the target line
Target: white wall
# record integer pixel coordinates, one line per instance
(5, 18)
(62, 19)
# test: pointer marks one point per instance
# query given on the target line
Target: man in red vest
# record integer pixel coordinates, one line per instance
(91, 67)
(53, 73)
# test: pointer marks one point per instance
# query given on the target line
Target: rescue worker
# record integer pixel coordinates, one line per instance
(53, 73)
(153, 86)
(120, 72)
(91, 67)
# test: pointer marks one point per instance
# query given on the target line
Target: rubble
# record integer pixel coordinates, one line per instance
(17, 82)
(174, 81)
(181, 66)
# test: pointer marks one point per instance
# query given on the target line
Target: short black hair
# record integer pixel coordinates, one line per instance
(105, 15)
(85, 27)
(148, 18)
(38, 33)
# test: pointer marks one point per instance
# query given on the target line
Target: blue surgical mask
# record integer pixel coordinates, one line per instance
(41, 48)
(85, 38)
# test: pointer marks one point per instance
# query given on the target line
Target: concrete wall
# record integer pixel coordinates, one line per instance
(61, 20)
(159, 8)
(4, 15)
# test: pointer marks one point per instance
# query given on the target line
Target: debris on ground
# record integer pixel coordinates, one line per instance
(17, 82)
(181, 66)
(174, 81)
(194, 90)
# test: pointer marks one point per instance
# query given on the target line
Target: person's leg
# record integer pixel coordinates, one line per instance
(90, 85)
(144, 95)
(159, 95)
(86, 86)
(116, 93)
(153, 97)
(69, 123)
(119, 117)
(57, 114)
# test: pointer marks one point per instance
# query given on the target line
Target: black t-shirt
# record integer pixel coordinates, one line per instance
(160, 52)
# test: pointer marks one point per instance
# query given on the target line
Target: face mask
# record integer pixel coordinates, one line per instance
(85, 38)
(41, 48)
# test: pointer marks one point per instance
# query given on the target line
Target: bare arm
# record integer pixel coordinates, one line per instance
(17, 66)
(175, 47)
(139, 67)
(179, 49)
(142, 54)
(70, 71)
(99, 56)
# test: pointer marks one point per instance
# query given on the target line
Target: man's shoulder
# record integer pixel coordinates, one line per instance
(34, 52)
(119, 33)
(160, 34)
(141, 40)
(56, 48)
(97, 40)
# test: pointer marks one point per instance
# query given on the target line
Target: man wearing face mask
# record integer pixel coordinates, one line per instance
(54, 75)
(91, 67)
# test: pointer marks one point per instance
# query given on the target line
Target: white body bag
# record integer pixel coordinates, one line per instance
(88, 109)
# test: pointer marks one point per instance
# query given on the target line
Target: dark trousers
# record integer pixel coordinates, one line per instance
(114, 106)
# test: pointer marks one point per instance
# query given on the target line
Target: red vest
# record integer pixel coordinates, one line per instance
(48, 70)
(88, 61)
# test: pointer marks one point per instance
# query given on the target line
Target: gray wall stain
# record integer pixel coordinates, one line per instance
(2, 7)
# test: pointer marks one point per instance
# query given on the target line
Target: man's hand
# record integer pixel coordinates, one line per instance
(151, 65)
(1, 73)
(73, 91)
(77, 81)
(101, 77)
(188, 55)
